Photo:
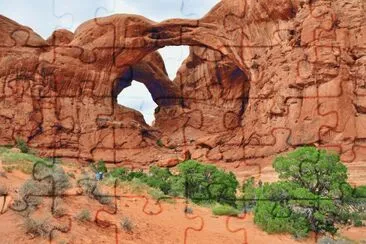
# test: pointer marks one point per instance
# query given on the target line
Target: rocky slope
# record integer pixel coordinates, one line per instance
(262, 77)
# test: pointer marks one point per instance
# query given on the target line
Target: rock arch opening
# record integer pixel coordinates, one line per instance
(138, 97)
(149, 83)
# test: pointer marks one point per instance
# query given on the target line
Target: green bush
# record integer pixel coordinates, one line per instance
(358, 223)
(99, 167)
(160, 178)
(204, 183)
(120, 173)
(22, 145)
(136, 175)
(219, 209)
(200, 182)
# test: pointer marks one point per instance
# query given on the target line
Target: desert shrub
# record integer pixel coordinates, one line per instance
(87, 184)
(31, 192)
(127, 224)
(103, 198)
(84, 215)
(22, 145)
(48, 180)
(219, 209)
(59, 212)
(25, 168)
(58, 208)
(54, 174)
(93, 190)
(37, 227)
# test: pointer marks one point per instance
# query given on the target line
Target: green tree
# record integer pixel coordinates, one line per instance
(317, 170)
(312, 195)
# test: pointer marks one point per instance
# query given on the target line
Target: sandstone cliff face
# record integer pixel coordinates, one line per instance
(261, 77)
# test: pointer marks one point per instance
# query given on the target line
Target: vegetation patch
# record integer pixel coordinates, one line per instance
(84, 215)
(202, 183)
(227, 210)
(127, 225)
(22, 145)
(47, 180)
(23, 162)
(92, 189)
(37, 227)
(312, 195)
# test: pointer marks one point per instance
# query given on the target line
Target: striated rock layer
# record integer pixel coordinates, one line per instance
(262, 77)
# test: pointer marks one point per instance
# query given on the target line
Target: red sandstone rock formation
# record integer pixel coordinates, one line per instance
(261, 77)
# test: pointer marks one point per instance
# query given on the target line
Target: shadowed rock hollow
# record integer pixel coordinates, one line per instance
(262, 77)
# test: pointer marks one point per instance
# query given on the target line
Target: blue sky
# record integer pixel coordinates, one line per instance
(44, 16)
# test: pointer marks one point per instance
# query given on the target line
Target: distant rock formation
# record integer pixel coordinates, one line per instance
(262, 77)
